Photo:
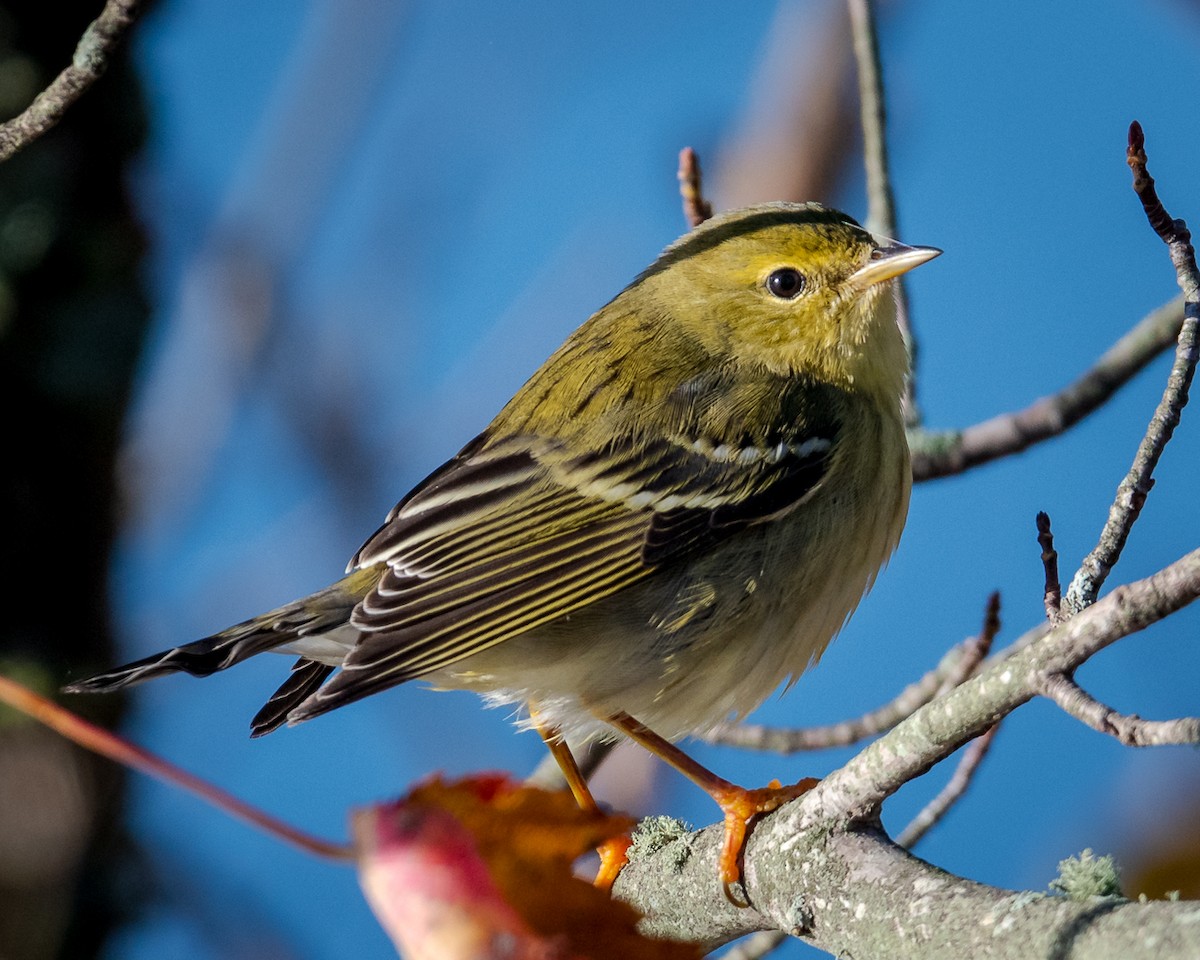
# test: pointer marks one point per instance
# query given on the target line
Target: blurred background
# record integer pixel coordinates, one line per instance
(288, 256)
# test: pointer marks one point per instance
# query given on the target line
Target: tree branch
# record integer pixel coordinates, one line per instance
(1052, 592)
(696, 209)
(945, 453)
(810, 864)
(90, 61)
(1129, 728)
(955, 667)
(840, 891)
(1135, 487)
(931, 814)
(881, 203)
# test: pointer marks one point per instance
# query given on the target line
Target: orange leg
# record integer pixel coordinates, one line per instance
(737, 803)
(614, 853)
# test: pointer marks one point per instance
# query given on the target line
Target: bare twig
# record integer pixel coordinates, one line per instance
(1129, 728)
(955, 667)
(90, 60)
(881, 204)
(937, 730)
(976, 648)
(952, 792)
(108, 744)
(1135, 487)
(696, 209)
(944, 453)
(1052, 594)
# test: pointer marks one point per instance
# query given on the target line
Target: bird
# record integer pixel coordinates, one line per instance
(671, 518)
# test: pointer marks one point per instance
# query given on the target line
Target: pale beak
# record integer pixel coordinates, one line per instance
(890, 259)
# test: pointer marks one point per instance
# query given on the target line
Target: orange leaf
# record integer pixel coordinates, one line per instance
(481, 868)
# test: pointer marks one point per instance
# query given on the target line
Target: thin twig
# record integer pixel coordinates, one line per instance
(945, 453)
(881, 213)
(958, 665)
(881, 768)
(91, 58)
(954, 789)
(1052, 594)
(1128, 728)
(881, 204)
(1135, 487)
(952, 792)
(695, 208)
(107, 744)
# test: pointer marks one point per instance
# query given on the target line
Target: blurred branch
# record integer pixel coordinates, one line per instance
(797, 133)
(881, 202)
(1132, 493)
(944, 453)
(89, 62)
(881, 209)
(955, 667)
(108, 744)
(696, 209)
(756, 946)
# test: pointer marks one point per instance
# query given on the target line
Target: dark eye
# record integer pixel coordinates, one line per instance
(786, 283)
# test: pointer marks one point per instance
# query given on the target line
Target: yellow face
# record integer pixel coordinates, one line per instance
(791, 287)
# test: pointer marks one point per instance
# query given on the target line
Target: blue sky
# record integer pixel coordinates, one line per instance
(371, 221)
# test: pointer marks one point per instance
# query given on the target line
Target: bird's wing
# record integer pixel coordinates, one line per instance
(513, 534)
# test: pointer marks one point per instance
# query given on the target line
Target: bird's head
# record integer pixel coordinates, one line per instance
(795, 288)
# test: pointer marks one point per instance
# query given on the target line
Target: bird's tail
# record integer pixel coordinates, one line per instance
(300, 623)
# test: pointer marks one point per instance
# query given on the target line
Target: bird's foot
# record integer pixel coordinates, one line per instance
(740, 805)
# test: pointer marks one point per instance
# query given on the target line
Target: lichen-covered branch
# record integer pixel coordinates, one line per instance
(841, 892)
(805, 862)
(89, 62)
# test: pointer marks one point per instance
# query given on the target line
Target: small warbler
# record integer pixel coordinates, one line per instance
(674, 514)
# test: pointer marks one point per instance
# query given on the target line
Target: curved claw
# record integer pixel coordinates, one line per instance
(740, 806)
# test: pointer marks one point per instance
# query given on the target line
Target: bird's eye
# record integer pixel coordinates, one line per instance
(786, 283)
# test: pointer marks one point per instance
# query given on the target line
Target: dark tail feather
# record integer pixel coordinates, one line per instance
(306, 677)
(199, 658)
(324, 612)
